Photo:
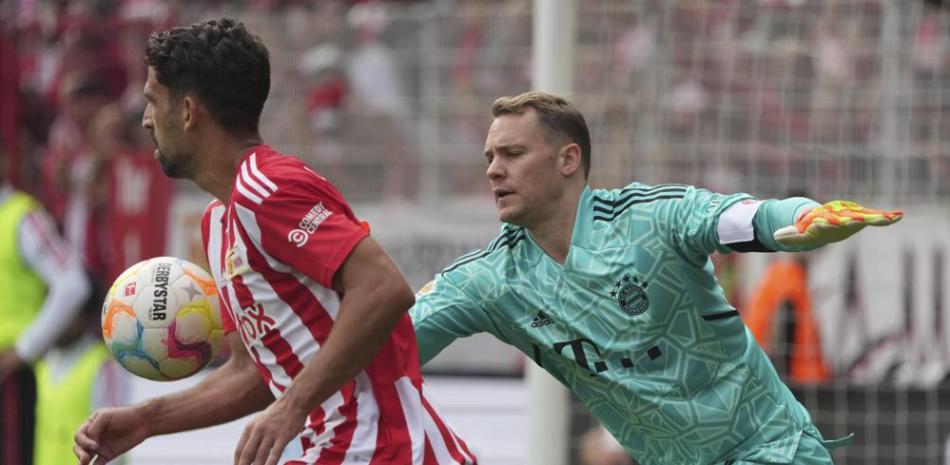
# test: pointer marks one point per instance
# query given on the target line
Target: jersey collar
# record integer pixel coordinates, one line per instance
(583, 220)
(255, 149)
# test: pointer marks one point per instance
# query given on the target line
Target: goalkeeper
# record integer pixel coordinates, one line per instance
(613, 293)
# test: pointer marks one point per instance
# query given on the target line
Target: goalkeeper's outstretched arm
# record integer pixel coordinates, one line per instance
(799, 224)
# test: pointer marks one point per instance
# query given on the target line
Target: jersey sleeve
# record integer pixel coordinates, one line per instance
(60, 268)
(443, 313)
(693, 222)
(305, 224)
(777, 214)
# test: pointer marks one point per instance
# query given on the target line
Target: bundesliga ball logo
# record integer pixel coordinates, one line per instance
(160, 319)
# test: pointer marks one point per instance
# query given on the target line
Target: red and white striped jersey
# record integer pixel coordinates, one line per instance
(273, 251)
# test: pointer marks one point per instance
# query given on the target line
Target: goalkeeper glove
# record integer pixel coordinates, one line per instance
(834, 221)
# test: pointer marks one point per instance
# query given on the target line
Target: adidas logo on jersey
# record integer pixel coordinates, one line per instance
(540, 320)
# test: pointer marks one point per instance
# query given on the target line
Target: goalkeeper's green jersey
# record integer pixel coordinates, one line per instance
(634, 323)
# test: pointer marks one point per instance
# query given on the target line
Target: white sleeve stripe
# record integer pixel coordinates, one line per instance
(249, 180)
(259, 175)
(735, 224)
(246, 193)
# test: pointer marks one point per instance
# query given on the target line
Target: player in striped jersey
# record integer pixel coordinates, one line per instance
(613, 293)
(314, 308)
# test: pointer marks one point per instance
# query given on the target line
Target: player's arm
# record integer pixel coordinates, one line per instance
(707, 222)
(230, 392)
(703, 222)
(51, 258)
(749, 225)
(443, 313)
(375, 297)
(797, 224)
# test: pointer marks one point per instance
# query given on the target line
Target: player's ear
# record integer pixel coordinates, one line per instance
(189, 112)
(569, 159)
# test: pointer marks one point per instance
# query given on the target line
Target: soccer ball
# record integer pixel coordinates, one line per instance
(160, 319)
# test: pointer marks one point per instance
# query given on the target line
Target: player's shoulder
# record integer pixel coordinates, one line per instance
(272, 169)
(212, 214)
(610, 204)
(276, 164)
(502, 250)
(266, 173)
(19, 198)
(214, 207)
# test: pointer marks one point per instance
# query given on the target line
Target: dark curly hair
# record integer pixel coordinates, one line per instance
(226, 66)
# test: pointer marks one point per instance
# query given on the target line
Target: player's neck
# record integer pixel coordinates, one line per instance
(553, 234)
(222, 158)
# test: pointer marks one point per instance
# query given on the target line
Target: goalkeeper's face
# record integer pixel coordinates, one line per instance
(522, 170)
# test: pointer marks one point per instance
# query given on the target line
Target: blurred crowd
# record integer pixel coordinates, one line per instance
(71, 118)
(388, 98)
(77, 144)
(765, 96)
(776, 96)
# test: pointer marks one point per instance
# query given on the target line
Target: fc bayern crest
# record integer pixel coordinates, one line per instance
(631, 295)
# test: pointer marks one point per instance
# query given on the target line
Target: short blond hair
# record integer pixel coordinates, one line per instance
(557, 117)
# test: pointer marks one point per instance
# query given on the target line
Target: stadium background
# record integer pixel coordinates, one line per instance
(835, 99)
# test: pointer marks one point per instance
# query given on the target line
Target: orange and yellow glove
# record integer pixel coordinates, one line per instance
(834, 221)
